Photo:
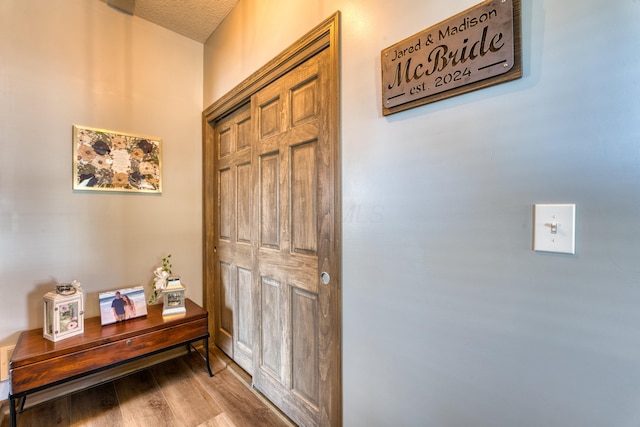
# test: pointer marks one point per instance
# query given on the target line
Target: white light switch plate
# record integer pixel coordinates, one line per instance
(554, 228)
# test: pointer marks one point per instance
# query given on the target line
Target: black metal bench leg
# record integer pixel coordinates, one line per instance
(206, 353)
(12, 411)
(206, 350)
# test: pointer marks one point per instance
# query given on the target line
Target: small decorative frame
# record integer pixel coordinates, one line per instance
(122, 304)
(113, 161)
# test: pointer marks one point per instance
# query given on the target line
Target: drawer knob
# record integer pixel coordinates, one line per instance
(128, 342)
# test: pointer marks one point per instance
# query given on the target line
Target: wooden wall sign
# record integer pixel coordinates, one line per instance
(477, 48)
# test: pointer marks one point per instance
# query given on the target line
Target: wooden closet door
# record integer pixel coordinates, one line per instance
(293, 176)
(233, 253)
(293, 199)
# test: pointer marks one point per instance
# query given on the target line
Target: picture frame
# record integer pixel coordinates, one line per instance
(115, 312)
(105, 160)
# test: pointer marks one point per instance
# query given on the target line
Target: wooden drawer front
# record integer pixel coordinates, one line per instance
(48, 371)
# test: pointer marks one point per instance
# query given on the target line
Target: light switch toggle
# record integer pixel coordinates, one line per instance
(554, 228)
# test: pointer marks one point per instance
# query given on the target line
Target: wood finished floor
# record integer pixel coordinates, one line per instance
(175, 393)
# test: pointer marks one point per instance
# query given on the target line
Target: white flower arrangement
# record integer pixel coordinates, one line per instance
(161, 276)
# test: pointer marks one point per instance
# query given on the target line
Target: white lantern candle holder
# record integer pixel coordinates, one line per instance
(173, 297)
(64, 312)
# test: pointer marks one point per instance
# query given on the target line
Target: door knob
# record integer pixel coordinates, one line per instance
(325, 278)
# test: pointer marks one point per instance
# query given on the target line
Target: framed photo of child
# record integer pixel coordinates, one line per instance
(122, 304)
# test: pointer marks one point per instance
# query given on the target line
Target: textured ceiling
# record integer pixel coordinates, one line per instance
(195, 19)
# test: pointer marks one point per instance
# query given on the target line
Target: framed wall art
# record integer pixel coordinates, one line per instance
(104, 160)
(122, 304)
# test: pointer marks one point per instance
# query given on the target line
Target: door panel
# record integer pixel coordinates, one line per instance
(290, 116)
(269, 165)
(245, 309)
(225, 191)
(225, 298)
(270, 117)
(304, 223)
(233, 251)
(245, 134)
(243, 212)
(304, 102)
(304, 345)
(271, 354)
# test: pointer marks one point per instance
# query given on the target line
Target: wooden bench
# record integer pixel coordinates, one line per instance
(101, 353)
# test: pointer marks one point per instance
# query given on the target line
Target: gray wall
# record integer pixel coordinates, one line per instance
(450, 318)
